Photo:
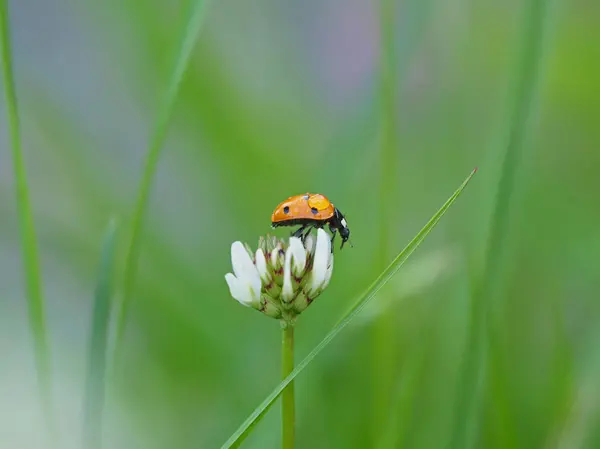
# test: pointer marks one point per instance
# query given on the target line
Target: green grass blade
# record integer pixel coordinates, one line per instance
(35, 299)
(93, 401)
(526, 84)
(190, 36)
(383, 331)
(400, 38)
(524, 91)
(244, 430)
(514, 127)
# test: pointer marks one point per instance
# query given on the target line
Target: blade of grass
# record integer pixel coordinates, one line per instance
(478, 354)
(33, 287)
(527, 70)
(399, 417)
(190, 36)
(383, 331)
(244, 430)
(398, 46)
(93, 400)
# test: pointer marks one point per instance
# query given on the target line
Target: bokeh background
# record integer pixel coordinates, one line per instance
(284, 97)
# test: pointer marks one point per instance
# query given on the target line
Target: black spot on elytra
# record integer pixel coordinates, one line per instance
(314, 210)
(286, 210)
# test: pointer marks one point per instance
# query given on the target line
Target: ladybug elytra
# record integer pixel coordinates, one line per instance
(310, 210)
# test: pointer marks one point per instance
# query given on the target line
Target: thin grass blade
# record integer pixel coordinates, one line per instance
(383, 331)
(244, 430)
(190, 36)
(93, 402)
(29, 249)
(483, 362)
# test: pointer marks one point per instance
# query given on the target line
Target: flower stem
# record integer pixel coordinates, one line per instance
(288, 413)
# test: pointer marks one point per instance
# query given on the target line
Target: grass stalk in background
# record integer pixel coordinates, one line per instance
(383, 352)
(363, 300)
(190, 36)
(400, 415)
(29, 250)
(521, 99)
(288, 405)
(93, 400)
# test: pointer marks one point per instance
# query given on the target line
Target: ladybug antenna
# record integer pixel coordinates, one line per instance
(349, 242)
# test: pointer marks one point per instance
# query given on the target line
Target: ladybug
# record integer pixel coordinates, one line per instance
(310, 210)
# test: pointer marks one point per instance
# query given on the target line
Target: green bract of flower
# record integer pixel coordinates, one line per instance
(281, 279)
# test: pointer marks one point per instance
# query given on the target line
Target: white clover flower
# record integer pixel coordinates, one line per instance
(281, 280)
(245, 284)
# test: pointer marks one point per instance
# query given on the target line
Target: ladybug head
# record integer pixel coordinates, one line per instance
(342, 226)
(345, 234)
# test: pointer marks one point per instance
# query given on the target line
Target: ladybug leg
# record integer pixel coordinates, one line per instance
(303, 237)
(333, 231)
(299, 232)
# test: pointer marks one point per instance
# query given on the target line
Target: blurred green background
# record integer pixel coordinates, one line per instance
(284, 97)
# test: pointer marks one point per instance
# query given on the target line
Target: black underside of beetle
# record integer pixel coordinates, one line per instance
(301, 221)
(306, 224)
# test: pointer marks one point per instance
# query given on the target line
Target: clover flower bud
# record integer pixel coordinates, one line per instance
(281, 279)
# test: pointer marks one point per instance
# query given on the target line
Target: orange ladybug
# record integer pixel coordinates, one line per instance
(310, 210)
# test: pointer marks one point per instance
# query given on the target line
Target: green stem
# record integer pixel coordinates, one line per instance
(37, 320)
(288, 413)
(383, 352)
